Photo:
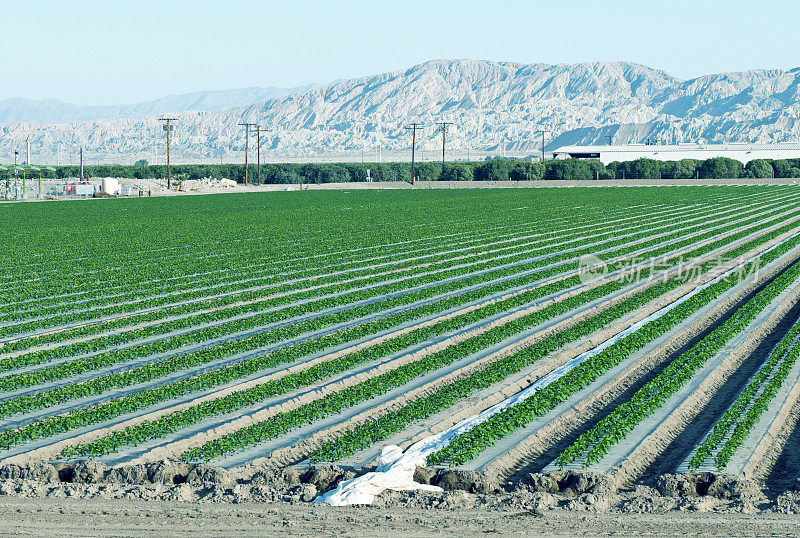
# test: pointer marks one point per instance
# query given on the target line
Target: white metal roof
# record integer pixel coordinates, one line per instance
(735, 146)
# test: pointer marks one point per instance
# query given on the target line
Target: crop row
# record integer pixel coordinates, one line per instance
(254, 279)
(249, 366)
(232, 370)
(153, 371)
(113, 325)
(149, 269)
(70, 285)
(335, 403)
(161, 301)
(149, 303)
(215, 277)
(470, 444)
(91, 248)
(254, 342)
(254, 246)
(133, 319)
(115, 340)
(613, 428)
(751, 402)
(400, 376)
(176, 421)
(322, 283)
(117, 356)
(476, 440)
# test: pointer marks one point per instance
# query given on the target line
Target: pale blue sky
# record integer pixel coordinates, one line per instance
(118, 51)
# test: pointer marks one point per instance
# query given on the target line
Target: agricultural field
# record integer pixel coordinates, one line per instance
(625, 332)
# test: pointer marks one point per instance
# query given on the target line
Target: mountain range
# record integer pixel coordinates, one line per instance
(495, 108)
(47, 111)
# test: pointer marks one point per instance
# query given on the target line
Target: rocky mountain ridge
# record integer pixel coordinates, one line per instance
(50, 111)
(496, 108)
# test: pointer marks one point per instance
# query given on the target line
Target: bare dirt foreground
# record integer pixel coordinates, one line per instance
(167, 498)
(60, 517)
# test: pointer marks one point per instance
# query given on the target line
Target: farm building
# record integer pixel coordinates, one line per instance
(630, 152)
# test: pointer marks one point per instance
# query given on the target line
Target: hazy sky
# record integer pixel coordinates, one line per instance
(115, 52)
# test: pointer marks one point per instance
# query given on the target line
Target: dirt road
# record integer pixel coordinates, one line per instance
(68, 517)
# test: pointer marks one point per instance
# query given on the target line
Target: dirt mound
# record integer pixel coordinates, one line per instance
(467, 481)
(327, 477)
(301, 493)
(88, 472)
(209, 476)
(128, 474)
(168, 481)
(168, 472)
(94, 472)
(570, 490)
(32, 472)
(277, 477)
(788, 502)
(570, 483)
(719, 486)
(424, 475)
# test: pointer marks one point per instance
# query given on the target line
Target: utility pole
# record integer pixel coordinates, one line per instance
(413, 127)
(444, 125)
(168, 128)
(246, 146)
(543, 131)
(16, 174)
(258, 150)
(610, 140)
(81, 165)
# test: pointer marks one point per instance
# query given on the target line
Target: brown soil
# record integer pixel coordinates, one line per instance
(176, 499)
(136, 518)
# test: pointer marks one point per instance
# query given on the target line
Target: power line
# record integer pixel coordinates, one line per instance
(258, 145)
(246, 146)
(168, 128)
(413, 127)
(543, 131)
(444, 125)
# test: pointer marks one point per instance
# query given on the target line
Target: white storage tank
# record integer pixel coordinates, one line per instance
(110, 185)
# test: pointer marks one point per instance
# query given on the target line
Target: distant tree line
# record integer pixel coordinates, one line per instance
(497, 169)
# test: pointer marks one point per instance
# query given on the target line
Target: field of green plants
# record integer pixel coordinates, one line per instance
(322, 326)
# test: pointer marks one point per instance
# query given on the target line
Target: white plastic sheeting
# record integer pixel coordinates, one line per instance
(396, 469)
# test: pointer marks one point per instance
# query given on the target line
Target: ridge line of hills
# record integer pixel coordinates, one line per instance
(495, 107)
